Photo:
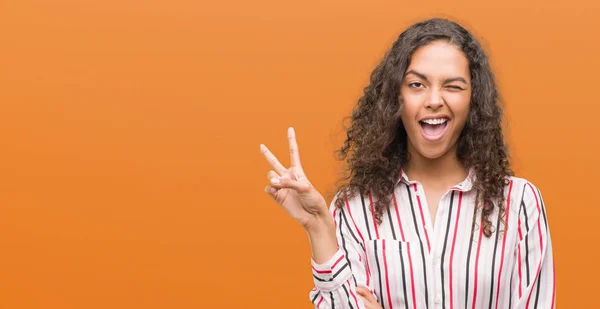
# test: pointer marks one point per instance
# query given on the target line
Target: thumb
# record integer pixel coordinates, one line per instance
(283, 182)
(366, 293)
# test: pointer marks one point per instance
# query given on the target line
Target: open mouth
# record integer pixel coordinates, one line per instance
(434, 129)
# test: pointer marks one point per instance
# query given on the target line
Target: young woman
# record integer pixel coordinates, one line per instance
(430, 214)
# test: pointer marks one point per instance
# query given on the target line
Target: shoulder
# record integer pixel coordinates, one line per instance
(349, 203)
(526, 194)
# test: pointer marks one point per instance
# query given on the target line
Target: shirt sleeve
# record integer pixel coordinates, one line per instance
(533, 285)
(336, 279)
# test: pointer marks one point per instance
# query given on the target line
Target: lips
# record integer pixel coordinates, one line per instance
(434, 130)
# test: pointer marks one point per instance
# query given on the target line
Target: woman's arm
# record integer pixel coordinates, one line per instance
(336, 279)
(335, 254)
(533, 283)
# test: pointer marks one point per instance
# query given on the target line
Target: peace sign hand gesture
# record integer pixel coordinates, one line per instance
(291, 189)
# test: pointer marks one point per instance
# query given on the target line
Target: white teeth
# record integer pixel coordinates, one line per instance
(435, 121)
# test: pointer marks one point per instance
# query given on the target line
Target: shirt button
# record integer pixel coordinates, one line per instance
(436, 261)
(438, 300)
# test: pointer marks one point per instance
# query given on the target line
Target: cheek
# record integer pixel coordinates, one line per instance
(409, 108)
(460, 107)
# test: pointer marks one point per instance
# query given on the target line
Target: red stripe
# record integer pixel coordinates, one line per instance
(320, 301)
(353, 296)
(361, 238)
(519, 251)
(387, 281)
(372, 207)
(452, 250)
(503, 241)
(368, 270)
(412, 278)
(398, 216)
(477, 265)
(336, 262)
(422, 217)
(355, 226)
(321, 271)
(366, 257)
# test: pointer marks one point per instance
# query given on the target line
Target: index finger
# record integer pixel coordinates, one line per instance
(280, 169)
(294, 155)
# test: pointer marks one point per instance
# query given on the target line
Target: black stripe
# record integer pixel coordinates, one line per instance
(315, 298)
(401, 261)
(332, 300)
(412, 209)
(444, 250)
(497, 231)
(348, 296)
(348, 227)
(510, 291)
(526, 240)
(403, 277)
(362, 199)
(537, 295)
(378, 271)
(344, 242)
(334, 275)
(339, 271)
(469, 257)
(391, 223)
(539, 279)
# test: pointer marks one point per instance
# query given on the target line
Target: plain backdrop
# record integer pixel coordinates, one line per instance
(130, 172)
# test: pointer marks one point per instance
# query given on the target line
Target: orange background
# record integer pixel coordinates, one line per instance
(130, 173)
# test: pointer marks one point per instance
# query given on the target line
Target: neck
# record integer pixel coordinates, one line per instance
(443, 172)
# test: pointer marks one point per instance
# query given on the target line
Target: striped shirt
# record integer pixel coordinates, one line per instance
(407, 263)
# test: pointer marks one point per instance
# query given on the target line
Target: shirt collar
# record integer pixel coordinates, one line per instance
(463, 186)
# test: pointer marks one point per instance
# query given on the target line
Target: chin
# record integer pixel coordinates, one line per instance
(432, 153)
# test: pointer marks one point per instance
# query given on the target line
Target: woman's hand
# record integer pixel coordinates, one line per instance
(368, 298)
(291, 189)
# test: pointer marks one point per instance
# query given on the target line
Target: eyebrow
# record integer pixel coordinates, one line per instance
(447, 80)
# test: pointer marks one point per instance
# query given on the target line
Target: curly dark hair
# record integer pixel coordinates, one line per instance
(375, 148)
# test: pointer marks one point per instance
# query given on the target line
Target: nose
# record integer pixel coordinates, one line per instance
(435, 100)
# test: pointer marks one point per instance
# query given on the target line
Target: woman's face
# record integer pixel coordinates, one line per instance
(437, 93)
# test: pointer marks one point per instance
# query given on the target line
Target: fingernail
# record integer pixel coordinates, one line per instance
(274, 180)
(272, 190)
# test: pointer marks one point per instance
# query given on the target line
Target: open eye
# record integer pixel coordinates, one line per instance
(415, 85)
